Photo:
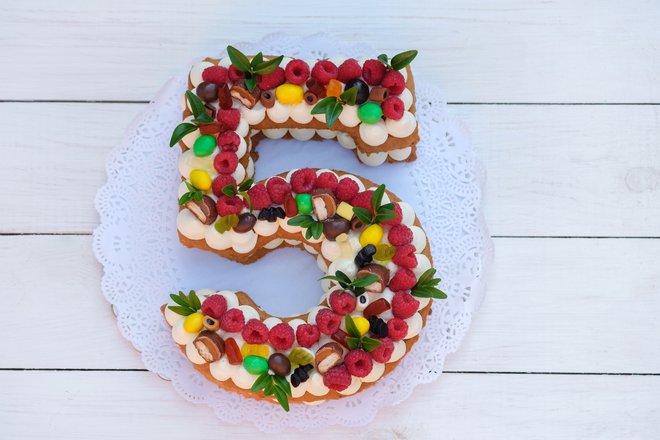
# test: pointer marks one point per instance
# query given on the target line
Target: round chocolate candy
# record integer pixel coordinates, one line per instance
(280, 364)
(362, 90)
(246, 222)
(207, 91)
(335, 226)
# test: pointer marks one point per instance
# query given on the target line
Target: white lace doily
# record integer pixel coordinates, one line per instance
(137, 244)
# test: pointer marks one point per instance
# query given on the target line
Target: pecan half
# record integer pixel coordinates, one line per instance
(243, 95)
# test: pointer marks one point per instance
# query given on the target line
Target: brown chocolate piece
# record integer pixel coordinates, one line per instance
(357, 225)
(243, 95)
(204, 210)
(324, 205)
(224, 97)
(381, 272)
(207, 91)
(280, 364)
(310, 98)
(209, 345)
(335, 226)
(267, 99)
(328, 356)
(378, 94)
(210, 110)
(376, 308)
(212, 128)
(246, 222)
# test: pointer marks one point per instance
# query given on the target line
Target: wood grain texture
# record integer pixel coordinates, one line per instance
(135, 405)
(552, 306)
(505, 51)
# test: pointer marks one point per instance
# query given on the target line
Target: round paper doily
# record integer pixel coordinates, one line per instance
(143, 261)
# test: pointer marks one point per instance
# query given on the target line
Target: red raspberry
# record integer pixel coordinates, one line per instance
(281, 336)
(235, 74)
(346, 189)
(396, 220)
(297, 72)
(400, 235)
(214, 306)
(229, 205)
(259, 197)
(272, 80)
(393, 108)
(307, 335)
(373, 72)
(383, 352)
(348, 70)
(342, 302)
(403, 279)
(220, 181)
(277, 189)
(397, 329)
(394, 82)
(229, 118)
(323, 71)
(363, 200)
(327, 180)
(358, 363)
(215, 74)
(232, 321)
(303, 180)
(404, 305)
(225, 162)
(229, 141)
(328, 321)
(405, 256)
(255, 332)
(337, 378)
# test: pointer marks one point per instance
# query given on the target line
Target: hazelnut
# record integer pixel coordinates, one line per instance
(328, 356)
(381, 272)
(243, 95)
(324, 206)
(204, 210)
(209, 345)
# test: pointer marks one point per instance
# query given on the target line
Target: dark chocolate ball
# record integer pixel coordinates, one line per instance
(280, 364)
(207, 91)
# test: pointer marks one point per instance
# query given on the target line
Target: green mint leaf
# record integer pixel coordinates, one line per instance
(183, 311)
(384, 216)
(238, 59)
(250, 84)
(364, 215)
(261, 382)
(204, 118)
(246, 196)
(317, 230)
(426, 276)
(377, 197)
(365, 280)
(195, 303)
(370, 344)
(181, 131)
(353, 343)
(177, 299)
(269, 389)
(283, 384)
(358, 291)
(246, 185)
(266, 67)
(321, 107)
(349, 96)
(332, 113)
(196, 105)
(343, 277)
(351, 328)
(258, 58)
(229, 190)
(185, 199)
(401, 60)
(300, 220)
(383, 59)
(308, 233)
(280, 395)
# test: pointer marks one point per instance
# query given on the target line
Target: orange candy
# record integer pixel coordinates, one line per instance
(334, 88)
(233, 352)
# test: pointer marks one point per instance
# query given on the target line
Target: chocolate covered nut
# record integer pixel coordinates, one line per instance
(357, 225)
(243, 95)
(207, 91)
(328, 356)
(209, 345)
(324, 206)
(280, 364)
(267, 99)
(334, 227)
(381, 272)
(310, 98)
(378, 94)
(204, 210)
(246, 222)
(224, 97)
(211, 323)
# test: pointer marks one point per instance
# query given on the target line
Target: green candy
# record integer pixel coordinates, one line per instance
(304, 202)
(370, 113)
(255, 364)
(204, 145)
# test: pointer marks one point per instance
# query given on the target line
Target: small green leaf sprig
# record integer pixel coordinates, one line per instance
(398, 61)
(332, 106)
(199, 117)
(426, 286)
(273, 385)
(382, 213)
(192, 194)
(253, 68)
(187, 304)
(356, 286)
(231, 191)
(355, 340)
(313, 226)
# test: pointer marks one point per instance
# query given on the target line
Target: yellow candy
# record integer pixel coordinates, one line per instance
(345, 210)
(200, 179)
(362, 324)
(372, 235)
(194, 323)
(254, 350)
(384, 252)
(301, 356)
(289, 94)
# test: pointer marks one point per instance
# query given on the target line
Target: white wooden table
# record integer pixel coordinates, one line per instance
(563, 100)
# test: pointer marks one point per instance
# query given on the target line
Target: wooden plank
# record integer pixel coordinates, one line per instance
(553, 170)
(134, 405)
(509, 51)
(552, 306)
